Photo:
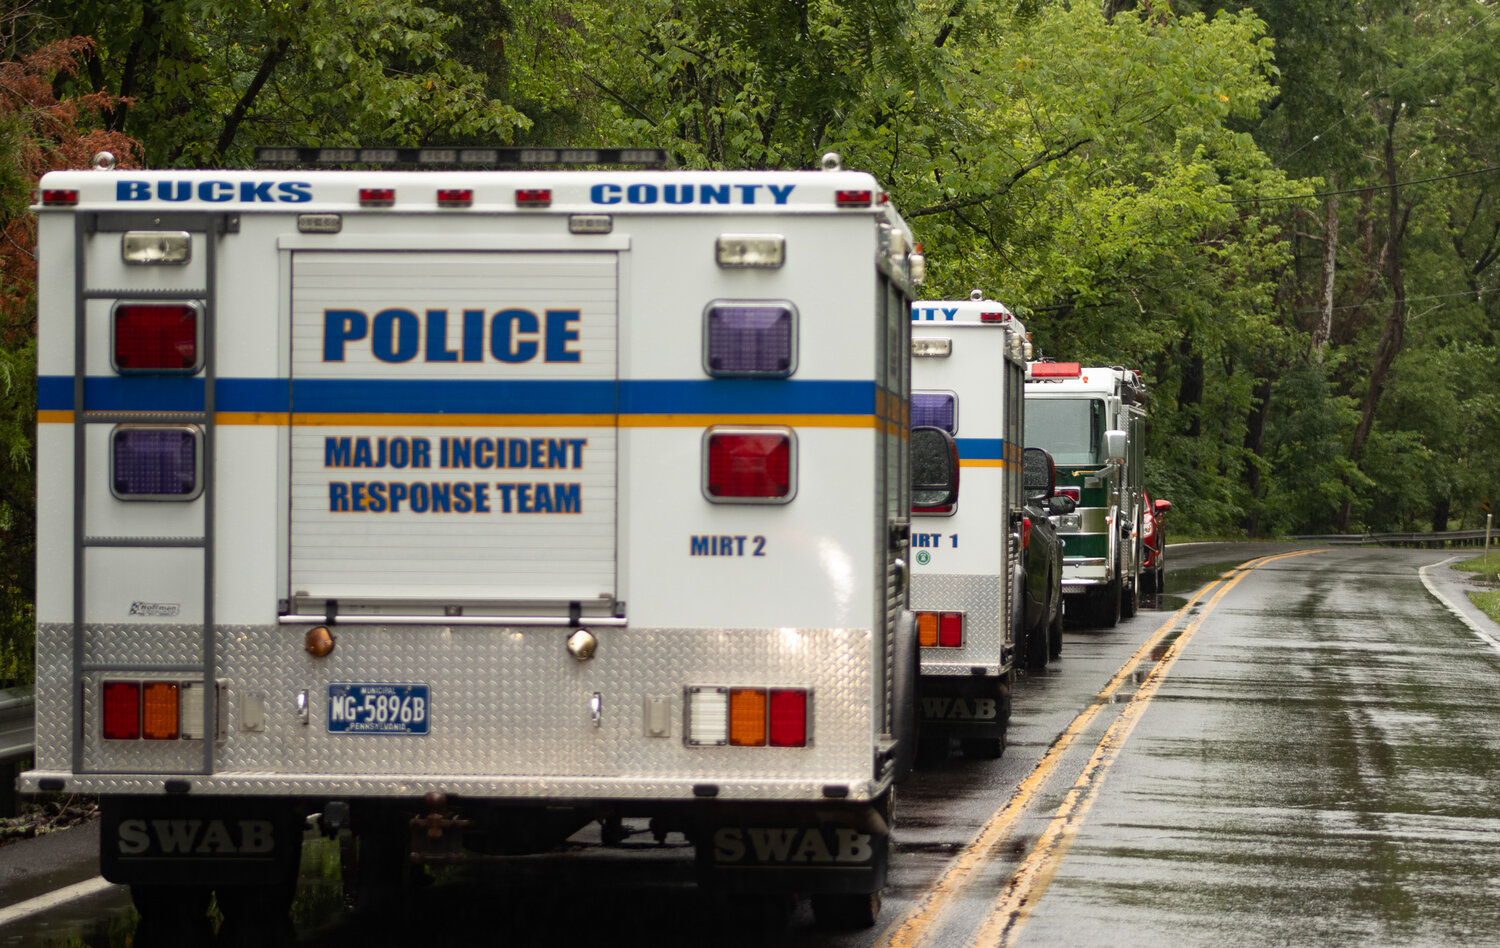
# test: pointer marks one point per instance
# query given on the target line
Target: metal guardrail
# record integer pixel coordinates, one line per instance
(1433, 540)
(17, 741)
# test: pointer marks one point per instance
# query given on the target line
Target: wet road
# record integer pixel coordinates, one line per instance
(1295, 753)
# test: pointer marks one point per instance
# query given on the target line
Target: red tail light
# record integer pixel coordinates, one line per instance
(951, 630)
(1073, 493)
(788, 717)
(1025, 532)
(751, 466)
(156, 337)
(122, 710)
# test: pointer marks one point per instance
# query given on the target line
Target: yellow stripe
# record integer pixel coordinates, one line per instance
(703, 421)
(988, 462)
(367, 420)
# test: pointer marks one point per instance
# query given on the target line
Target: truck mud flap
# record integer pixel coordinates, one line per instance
(806, 851)
(967, 707)
(200, 841)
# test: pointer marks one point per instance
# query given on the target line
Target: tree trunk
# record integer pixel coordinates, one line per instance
(1324, 329)
(1392, 335)
(1255, 443)
(1190, 392)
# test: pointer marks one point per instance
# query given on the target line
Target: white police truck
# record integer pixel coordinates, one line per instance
(968, 375)
(466, 500)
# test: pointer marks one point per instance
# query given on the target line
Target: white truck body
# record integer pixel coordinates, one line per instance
(968, 370)
(471, 442)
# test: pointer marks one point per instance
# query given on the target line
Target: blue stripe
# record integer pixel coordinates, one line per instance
(747, 396)
(484, 397)
(981, 449)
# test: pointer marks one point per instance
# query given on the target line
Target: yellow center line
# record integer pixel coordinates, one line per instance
(1030, 881)
(924, 918)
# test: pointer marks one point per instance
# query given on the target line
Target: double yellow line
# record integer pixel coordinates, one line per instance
(1008, 914)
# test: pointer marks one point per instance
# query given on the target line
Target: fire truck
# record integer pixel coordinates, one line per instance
(466, 499)
(1092, 420)
(969, 581)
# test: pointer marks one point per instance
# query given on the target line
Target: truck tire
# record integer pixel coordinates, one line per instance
(1107, 604)
(1130, 596)
(1055, 634)
(904, 694)
(172, 916)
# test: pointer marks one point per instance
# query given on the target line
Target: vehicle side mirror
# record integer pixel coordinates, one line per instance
(934, 467)
(1114, 446)
(1038, 474)
(1061, 504)
(1161, 506)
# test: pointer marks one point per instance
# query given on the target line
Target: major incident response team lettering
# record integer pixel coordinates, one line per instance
(455, 453)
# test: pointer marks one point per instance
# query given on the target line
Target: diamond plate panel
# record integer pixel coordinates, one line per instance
(510, 712)
(981, 598)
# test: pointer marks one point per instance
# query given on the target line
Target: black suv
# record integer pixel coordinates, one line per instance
(1040, 636)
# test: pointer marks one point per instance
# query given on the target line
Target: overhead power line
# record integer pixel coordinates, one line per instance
(1368, 187)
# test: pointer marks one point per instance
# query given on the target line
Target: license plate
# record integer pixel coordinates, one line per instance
(374, 708)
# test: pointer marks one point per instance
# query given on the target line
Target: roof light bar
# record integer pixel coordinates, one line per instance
(377, 197)
(533, 197)
(1054, 370)
(459, 157)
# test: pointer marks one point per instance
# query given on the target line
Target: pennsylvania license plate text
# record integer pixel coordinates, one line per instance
(370, 708)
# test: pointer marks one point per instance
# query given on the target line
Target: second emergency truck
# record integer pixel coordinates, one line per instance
(968, 373)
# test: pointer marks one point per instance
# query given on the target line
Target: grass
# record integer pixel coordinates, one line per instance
(1487, 570)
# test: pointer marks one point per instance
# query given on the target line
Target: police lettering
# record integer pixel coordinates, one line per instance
(690, 193)
(931, 313)
(215, 192)
(399, 335)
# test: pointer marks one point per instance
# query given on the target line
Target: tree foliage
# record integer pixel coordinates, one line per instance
(1286, 214)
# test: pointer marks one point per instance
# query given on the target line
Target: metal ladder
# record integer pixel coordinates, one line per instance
(86, 225)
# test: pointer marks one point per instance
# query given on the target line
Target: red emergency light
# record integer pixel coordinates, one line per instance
(156, 337)
(994, 317)
(1025, 532)
(455, 197)
(1056, 370)
(533, 197)
(59, 197)
(853, 198)
(750, 465)
(377, 197)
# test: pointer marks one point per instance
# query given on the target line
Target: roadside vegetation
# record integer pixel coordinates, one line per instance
(1487, 568)
(1285, 214)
